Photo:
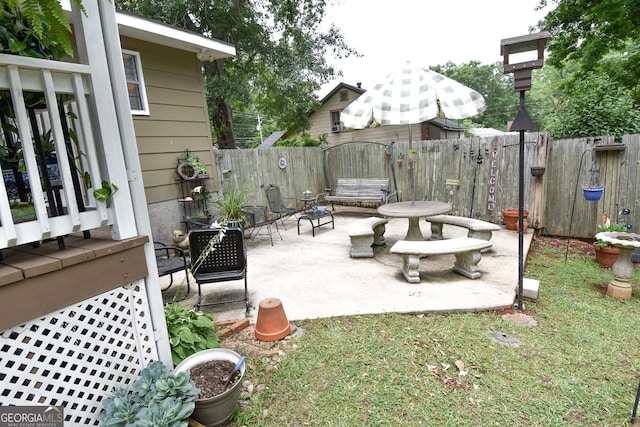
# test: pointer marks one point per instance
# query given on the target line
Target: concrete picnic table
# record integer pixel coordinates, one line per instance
(413, 211)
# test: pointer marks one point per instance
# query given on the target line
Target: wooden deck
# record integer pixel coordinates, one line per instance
(37, 281)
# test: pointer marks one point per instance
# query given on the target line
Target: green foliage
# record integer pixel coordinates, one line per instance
(35, 28)
(590, 34)
(105, 192)
(596, 106)
(302, 141)
(200, 168)
(190, 331)
(493, 84)
(614, 227)
(157, 398)
(231, 203)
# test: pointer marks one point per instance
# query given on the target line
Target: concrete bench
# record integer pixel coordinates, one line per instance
(364, 233)
(478, 229)
(375, 191)
(466, 249)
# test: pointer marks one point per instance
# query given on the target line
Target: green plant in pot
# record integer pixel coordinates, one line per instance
(606, 255)
(230, 205)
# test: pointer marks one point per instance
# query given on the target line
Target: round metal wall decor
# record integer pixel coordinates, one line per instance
(282, 163)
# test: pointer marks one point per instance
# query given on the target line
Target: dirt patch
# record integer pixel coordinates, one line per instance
(213, 377)
(576, 246)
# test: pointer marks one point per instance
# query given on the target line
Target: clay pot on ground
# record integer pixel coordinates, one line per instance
(606, 256)
(525, 224)
(510, 216)
(272, 323)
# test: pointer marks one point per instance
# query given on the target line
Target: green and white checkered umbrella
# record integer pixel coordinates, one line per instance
(412, 95)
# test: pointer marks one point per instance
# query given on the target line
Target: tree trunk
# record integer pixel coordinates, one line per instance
(220, 110)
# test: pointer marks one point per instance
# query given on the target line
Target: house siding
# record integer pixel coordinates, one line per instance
(178, 120)
(321, 119)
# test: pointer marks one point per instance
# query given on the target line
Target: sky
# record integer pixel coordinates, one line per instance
(389, 33)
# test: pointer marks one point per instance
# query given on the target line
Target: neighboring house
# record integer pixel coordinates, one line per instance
(441, 129)
(81, 310)
(326, 120)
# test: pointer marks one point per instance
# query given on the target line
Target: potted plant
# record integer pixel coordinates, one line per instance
(592, 193)
(510, 216)
(606, 255)
(219, 373)
(230, 205)
(592, 189)
(200, 168)
(158, 397)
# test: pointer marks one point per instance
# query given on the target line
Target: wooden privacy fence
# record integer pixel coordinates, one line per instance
(477, 176)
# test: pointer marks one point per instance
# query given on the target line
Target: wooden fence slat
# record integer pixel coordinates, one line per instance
(449, 171)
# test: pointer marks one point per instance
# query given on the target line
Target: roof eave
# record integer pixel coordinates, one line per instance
(207, 49)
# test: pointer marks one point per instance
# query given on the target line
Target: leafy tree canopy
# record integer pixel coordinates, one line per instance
(281, 55)
(493, 84)
(598, 36)
(597, 107)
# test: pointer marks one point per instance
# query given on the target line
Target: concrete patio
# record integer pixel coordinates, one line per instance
(315, 277)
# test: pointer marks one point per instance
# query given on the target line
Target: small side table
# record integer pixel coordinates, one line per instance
(307, 203)
(318, 218)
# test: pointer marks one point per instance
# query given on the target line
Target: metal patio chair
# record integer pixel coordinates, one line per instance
(171, 260)
(217, 259)
(277, 206)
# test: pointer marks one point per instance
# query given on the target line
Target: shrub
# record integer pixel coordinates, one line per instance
(190, 331)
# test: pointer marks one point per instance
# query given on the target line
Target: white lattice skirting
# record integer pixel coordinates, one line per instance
(76, 356)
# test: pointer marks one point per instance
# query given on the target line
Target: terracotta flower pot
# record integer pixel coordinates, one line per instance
(272, 323)
(606, 256)
(525, 225)
(510, 216)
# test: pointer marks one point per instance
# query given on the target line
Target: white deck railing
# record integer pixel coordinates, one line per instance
(56, 83)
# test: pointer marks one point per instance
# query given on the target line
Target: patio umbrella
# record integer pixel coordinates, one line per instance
(412, 95)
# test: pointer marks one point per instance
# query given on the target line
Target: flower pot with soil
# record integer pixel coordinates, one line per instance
(510, 216)
(211, 370)
(606, 255)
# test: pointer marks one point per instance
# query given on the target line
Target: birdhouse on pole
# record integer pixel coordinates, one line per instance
(520, 44)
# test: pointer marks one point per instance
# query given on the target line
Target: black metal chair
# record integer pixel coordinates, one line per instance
(277, 206)
(171, 260)
(256, 218)
(216, 259)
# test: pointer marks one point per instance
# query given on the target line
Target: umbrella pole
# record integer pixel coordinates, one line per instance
(411, 183)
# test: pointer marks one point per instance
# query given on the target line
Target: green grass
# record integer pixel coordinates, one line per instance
(578, 367)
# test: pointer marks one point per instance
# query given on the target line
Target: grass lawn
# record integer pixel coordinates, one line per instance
(579, 365)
